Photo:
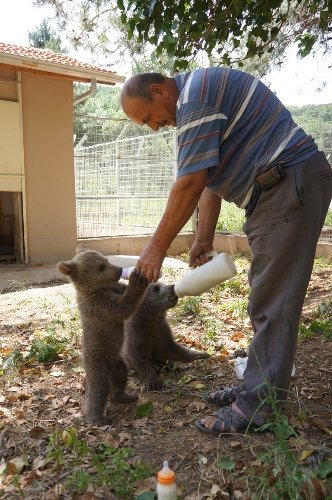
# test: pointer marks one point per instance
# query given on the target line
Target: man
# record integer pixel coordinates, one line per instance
(238, 142)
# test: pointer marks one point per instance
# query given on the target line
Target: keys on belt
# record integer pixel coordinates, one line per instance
(271, 177)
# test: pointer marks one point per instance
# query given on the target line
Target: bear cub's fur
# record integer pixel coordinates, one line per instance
(104, 304)
(148, 336)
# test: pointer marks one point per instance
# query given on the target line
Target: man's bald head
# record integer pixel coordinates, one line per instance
(139, 86)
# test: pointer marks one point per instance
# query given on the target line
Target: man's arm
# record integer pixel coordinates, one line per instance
(182, 200)
(209, 209)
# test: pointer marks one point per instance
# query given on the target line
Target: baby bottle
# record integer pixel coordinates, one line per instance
(166, 487)
(202, 278)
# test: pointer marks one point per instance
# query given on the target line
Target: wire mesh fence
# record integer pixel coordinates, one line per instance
(122, 177)
(124, 173)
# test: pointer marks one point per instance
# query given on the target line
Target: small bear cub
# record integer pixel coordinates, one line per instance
(104, 304)
(148, 336)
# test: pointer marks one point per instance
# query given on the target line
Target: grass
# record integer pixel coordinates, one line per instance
(237, 309)
(106, 464)
(188, 305)
(319, 323)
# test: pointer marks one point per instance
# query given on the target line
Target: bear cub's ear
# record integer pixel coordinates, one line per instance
(66, 267)
(81, 248)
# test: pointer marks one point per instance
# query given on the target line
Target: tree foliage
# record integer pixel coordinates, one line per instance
(184, 28)
(43, 37)
(239, 33)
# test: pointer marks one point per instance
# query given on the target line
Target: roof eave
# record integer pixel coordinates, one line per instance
(60, 69)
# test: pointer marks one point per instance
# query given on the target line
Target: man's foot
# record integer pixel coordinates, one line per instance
(225, 396)
(224, 421)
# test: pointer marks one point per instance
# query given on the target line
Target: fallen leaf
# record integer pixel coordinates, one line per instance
(197, 406)
(23, 396)
(19, 414)
(202, 460)
(236, 336)
(298, 442)
(214, 490)
(40, 461)
(234, 444)
(58, 403)
(4, 411)
(321, 424)
(36, 432)
(305, 454)
(10, 443)
(57, 373)
(196, 384)
(15, 465)
(146, 486)
(124, 438)
(14, 388)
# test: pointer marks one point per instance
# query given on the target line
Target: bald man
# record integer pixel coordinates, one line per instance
(236, 141)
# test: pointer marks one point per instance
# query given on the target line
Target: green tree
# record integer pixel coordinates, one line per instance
(43, 37)
(229, 32)
(183, 29)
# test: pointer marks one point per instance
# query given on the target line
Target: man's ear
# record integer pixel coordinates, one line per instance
(81, 248)
(158, 88)
(66, 267)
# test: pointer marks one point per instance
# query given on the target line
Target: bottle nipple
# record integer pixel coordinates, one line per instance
(166, 475)
(126, 272)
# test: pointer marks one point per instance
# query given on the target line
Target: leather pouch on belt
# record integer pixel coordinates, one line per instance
(271, 177)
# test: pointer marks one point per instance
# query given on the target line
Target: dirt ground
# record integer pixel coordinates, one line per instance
(40, 399)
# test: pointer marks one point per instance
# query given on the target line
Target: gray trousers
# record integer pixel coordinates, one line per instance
(282, 231)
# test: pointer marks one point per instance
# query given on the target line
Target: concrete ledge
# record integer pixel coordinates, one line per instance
(123, 252)
(133, 245)
(223, 242)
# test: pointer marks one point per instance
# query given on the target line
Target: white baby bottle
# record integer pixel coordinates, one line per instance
(202, 278)
(166, 486)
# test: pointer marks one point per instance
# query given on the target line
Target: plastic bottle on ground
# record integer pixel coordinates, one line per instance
(202, 278)
(240, 364)
(166, 486)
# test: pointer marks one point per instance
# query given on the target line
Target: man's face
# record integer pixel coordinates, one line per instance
(155, 113)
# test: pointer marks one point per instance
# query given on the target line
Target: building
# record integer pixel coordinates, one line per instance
(37, 181)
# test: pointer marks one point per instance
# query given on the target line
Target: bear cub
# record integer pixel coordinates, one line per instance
(148, 336)
(104, 304)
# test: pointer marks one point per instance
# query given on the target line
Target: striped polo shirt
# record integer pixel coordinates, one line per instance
(229, 122)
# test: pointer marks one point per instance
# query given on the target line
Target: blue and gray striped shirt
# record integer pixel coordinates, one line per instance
(229, 122)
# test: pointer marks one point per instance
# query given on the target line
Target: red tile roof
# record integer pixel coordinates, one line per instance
(45, 60)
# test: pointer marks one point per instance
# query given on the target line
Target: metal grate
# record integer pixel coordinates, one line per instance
(122, 183)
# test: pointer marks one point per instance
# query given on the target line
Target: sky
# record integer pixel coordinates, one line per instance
(298, 82)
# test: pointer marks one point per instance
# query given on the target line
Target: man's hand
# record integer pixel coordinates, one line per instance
(197, 253)
(209, 208)
(150, 262)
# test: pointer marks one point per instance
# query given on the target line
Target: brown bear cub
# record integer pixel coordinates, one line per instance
(104, 304)
(148, 336)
